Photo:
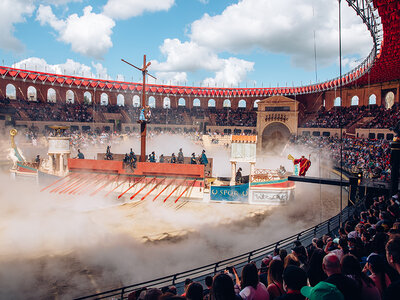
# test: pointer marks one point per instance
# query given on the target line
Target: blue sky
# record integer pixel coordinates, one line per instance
(189, 42)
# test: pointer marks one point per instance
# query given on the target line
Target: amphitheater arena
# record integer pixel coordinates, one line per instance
(362, 104)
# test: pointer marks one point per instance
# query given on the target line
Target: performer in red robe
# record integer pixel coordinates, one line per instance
(304, 164)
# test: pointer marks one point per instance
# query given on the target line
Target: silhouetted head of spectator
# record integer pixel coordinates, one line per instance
(291, 260)
(297, 243)
(294, 278)
(223, 288)
(152, 294)
(276, 251)
(249, 276)
(282, 254)
(194, 291)
(208, 281)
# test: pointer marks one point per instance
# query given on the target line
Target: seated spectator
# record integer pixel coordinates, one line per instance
(152, 294)
(275, 279)
(322, 291)
(347, 286)
(294, 278)
(351, 267)
(315, 273)
(222, 288)
(376, 266)
(252, 288)
(194, 291)
(208, 281)
(393, 258)
(291, 260)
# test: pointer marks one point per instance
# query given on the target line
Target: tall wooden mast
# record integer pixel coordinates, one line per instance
(143, 123)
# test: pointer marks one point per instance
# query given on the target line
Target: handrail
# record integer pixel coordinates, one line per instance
(197, 274)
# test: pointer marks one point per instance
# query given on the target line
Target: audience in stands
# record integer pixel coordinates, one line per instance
(368, 273)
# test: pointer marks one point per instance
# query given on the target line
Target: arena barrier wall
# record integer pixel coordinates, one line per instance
(198, 274)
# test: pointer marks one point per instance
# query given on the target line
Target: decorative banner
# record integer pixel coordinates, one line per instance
(58, 145)
(272, 197)
(242, 152)
(235, 193)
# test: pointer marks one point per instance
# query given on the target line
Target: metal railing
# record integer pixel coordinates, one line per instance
(198, 274)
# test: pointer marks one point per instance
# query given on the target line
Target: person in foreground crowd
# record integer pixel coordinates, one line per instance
(393, 258)
(322, 291)
(252, 288)
(294, 278)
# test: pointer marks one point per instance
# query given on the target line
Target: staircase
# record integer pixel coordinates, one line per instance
(358, 124)
(125, 117)
(98, 117)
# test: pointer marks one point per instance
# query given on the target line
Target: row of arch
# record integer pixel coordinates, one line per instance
(11, 93)
(389, 100)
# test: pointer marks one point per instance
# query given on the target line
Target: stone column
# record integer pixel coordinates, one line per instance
(252, 168)
(233, 172)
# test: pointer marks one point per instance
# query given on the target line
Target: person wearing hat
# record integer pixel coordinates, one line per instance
(173, 159)
(322, 291)
(193, 159)
(152, 157)
(294, 278)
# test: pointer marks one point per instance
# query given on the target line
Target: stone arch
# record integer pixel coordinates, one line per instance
(389, 100)
(181, 102)
(152, 102)
(87, 98)
(11, 91)
(255, 104)
(69, 97)
(136, 101)
(196, 102)
(120, 100)
(104, 99)
(242, 103)
(227, 103)
(337, 101)
(51, 95)
(355, 101)
(166, 102)
(32, 93)
(372, 99)
(275, 136)
(211, 103)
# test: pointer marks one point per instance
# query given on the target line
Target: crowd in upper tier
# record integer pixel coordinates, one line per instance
(371, 116)
(371, 157)
(360, 262)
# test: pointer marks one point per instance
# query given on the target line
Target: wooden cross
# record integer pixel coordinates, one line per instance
(143, 124)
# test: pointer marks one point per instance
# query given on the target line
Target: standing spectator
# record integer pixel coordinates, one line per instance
(252, 288)
(294, 278)
(393, 258)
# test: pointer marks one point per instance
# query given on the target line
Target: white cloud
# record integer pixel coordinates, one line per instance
(89, 34)
(11, 13)
(284, 27)
(190, 57)
(172, 78)
(70, 67)
(125, 9)
(60, 2)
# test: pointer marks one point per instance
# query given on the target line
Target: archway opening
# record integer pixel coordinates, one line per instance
(275, 137)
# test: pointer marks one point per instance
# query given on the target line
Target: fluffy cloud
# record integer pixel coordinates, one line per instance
(284, 27)
(125, 9)
(89, 34)
(60, 2)
(190, 57)
(70, 67)
(11, 13)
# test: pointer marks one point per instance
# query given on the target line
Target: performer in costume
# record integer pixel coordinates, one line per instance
(304, 164)
(180, 156)
(238, 177)
(203, 158)
(193, 159)
(152, 157)
(162, 159)
(173, 158)
(142, 117)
